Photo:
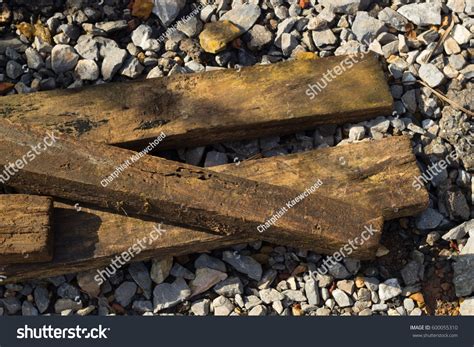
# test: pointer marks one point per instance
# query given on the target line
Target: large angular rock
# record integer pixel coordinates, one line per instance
(366, 28)
(244, 264)
(168, 10)
(215, 36)
(205, 279)
(394, 19)
(431, 75)
(63, 58)
(243, 16)
(345, 6)
(125, 292)
(87, 70)
(160, 269)
(113, 60)
(389, 289)
(464, 275)
(467, 307)
(167, 295)
(422, 14)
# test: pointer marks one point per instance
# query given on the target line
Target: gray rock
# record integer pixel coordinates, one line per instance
(222, 306)
(260, 36)
(467, 307)
(132, 68)
(288, 44)
(160, 269)
(408, 304)
(201, 307)
(312, 292)
(431, 75)
(411, 273)
(270, 295)
(284, 27)
(155, 72)
(168, 10)
(392, 18)
(267, 279)
(34, 60)
(429, 219)
(460, 231)
(168, 295)
(113, 26)
(125, 292)
(214, 158)
(356, 133)
(294, 295)
(367, 28)
(11, 304)
(41, 296)
(457, 61)
(324, 38)
(66, 304)
(87, 48)
(409, 100)
(244, 16)
(461, 34)
(244, 264)
(379, 307)
(206, 261)
(324, 280)
(338, 271)
(180, 271)
(341, 298)
(13, 69)
(114, 58)
(194, 156)
(258, 310)
(191, 27)
(63, 58)
(140, 275)
(457, 205)
(389, 289)
(142, 37)
(464, 275)
(422, 14)
(28, 309)
(86, 281)
(205, 279)
(142, 306)
(229, 287)
(346, 286)
(345, 6)
(87, 70)
(67, 291)
(7, 41)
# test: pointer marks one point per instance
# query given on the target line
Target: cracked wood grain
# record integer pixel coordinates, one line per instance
(202, 108)
(25, 228)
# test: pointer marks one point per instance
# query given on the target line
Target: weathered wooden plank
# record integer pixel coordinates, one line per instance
(374, 174)
(89, 239)
(25, 228)
(179, 193)
(202, 108)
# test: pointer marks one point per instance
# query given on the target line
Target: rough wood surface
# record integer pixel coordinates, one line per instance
(94, 237)
(374, 174)
(202, 108)
(25, 228)
(181, 193)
